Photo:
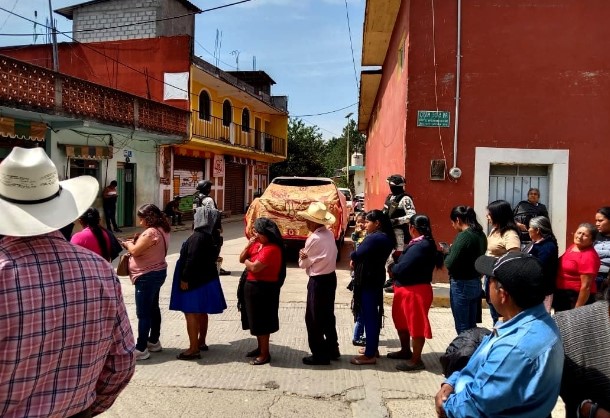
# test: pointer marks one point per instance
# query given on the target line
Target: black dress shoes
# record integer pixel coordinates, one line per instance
(315, 361)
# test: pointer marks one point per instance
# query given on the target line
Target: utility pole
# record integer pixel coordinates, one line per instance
(54, 39)
(348, 117)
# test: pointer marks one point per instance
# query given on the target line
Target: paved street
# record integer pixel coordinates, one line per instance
(223, 384)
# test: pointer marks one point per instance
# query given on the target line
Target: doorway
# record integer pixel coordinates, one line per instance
(126, 188)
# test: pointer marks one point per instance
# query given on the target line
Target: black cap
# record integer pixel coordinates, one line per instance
(203, 185)
(519, 274)
(396, 180)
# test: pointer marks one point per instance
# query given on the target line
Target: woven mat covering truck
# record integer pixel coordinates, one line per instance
(285, 196)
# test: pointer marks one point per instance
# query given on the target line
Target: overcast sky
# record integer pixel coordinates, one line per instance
(303, 45)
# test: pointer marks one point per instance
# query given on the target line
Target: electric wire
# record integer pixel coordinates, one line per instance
(440, 135)
(7, 16)
(351, 44)
(143, 22)
(176, 87)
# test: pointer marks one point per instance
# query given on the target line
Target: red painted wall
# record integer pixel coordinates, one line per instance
(146, 60)
(385, 148)
(535, 74)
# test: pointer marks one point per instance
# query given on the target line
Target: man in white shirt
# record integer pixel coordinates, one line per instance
(319, 259)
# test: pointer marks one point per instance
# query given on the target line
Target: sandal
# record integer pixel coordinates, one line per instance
(363, 350)
(400, 355)
(410, 367)
(258, 362)
(203, 347)
(186, 356)
(254, 353)
(362, 360)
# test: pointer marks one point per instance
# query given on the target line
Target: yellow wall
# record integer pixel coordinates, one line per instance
(277, 124)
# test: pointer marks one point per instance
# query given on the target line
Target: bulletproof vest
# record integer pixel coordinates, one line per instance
(391, 208)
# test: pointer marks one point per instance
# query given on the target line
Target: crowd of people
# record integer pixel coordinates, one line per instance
(76, 318)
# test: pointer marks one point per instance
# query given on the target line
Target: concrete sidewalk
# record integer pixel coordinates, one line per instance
(223, 384)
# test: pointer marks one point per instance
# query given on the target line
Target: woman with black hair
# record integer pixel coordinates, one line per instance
(147, 271)
(464, 281)
(412, 276)
(503, 237)
(265, 261)
(93, 237)
(196, 289)
(368, 262)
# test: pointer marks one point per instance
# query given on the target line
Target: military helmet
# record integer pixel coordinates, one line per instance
(204, 185)
(396, 180)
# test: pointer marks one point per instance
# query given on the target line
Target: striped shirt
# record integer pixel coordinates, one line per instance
(585, 333)
(65, 339)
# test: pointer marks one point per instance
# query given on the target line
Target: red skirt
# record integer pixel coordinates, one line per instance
(410, 309)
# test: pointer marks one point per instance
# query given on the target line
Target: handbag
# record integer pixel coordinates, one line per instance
(123, 267)
(115, 246)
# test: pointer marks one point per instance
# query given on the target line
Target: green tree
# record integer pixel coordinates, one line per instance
(306, 151)
(336, 156)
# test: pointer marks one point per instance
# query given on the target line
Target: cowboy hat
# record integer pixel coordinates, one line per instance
(317, 212)
(32, 199)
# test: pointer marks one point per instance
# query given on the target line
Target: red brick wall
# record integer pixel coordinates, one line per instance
(534, 75)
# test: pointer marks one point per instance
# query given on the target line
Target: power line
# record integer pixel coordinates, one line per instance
(144, 22)
(86, 45)
(325, 113)
(349, 30)
(13, 8)
(211, 54)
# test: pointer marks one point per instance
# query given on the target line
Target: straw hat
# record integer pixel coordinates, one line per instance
(317, 212)
(32, 199)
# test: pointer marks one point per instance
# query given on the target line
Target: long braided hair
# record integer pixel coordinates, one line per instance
(91, 219)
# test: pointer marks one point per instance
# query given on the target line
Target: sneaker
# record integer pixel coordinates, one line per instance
(141, 355)
(155, 348)
(361, 342)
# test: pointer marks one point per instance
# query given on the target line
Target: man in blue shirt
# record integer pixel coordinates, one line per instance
(516, 371)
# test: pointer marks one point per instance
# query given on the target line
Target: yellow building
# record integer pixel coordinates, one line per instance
(237, 130)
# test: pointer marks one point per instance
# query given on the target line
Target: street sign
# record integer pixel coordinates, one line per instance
(127, 153)
(432, 119)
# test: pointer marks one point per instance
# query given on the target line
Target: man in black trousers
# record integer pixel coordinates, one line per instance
(319, 259)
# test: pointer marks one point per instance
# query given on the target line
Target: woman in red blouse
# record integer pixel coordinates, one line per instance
(265, 263)
(578, 267)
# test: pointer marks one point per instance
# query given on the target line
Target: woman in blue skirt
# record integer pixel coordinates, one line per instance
(196, 289)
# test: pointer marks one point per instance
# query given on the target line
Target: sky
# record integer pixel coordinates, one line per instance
(304, 46)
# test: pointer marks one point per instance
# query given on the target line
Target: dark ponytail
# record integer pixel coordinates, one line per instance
(91, 218)
(467, 216)
(422, 224)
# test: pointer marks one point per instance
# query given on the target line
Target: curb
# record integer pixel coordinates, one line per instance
(438, 300)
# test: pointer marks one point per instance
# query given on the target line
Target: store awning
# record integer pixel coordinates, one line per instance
(22, 129)
(189, 152)
(88, 153)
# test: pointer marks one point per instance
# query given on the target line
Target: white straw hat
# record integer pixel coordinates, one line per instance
(317, 212)
(32, 199)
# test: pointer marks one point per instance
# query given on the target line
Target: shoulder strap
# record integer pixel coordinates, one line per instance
(164, 242)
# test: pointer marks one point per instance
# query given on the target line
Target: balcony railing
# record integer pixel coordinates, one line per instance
(234, 135)
(29, 87)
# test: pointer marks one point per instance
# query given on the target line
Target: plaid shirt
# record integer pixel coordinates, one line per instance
(65, 339)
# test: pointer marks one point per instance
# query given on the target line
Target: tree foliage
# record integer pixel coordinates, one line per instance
(305, 152)
(310, 156)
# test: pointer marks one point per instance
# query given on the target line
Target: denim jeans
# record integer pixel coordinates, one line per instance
(148, 312)
(358, 328)
(464, 297)
(369, 314)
